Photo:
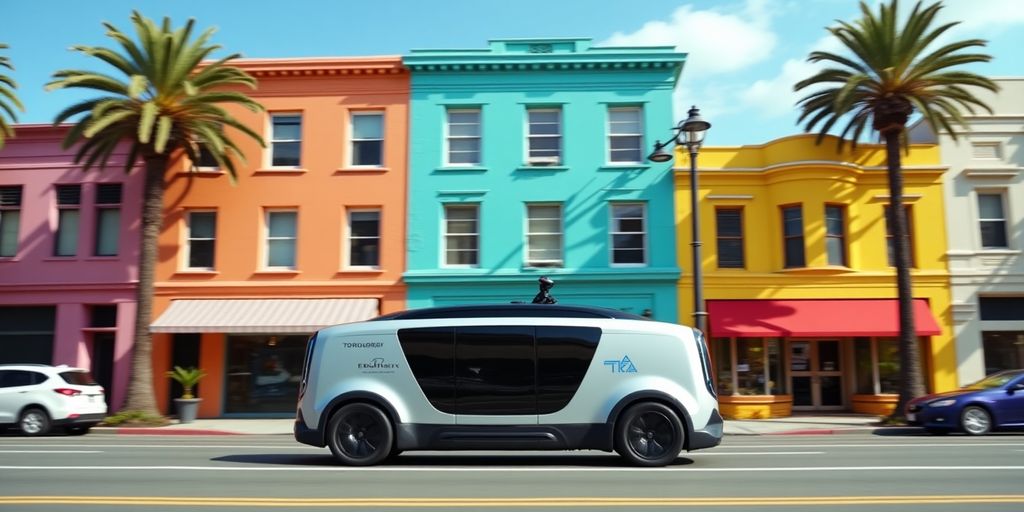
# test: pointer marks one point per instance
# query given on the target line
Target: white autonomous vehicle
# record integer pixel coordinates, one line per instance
(536, 376)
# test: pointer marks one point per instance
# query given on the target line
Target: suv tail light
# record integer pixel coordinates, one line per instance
(68, 391)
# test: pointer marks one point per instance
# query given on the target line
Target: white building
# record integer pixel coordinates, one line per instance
(984, 191)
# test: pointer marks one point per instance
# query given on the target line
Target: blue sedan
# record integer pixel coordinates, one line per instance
(995, 402)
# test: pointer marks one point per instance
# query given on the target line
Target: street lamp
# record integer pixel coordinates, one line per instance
(690, 133)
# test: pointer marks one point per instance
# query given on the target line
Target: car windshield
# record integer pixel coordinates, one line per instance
(994, 381)
(78, 378)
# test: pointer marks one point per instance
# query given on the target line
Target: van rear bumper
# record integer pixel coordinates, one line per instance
(710, 436)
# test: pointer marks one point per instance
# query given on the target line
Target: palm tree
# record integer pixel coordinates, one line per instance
(167, 103)
(890, 76)
(8, 101)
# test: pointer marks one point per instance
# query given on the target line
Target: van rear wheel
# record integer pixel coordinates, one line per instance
(649, 434)
(360, 435)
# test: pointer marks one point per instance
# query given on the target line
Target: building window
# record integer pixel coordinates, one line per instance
(629, 234)
(985, 150)
(749, 366)
(1001, 309)
(835, 235)
(877, 365)
(544, 136)
(282, 233)
(368, 139)
(206, 161)
(364, 238)
(729, 226)
(1004, 350)
(890, 239)
(108, 219)
(69, 201)
(625, 135)
(544, 235)
(461, 235)
(10, 218)
(793, 236)
(464, 137)
(992, 221)
(286, 143)
(202, 236)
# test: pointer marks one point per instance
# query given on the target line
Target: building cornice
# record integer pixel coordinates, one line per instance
(327, 66)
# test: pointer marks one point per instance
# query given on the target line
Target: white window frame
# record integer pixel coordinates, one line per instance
(267, 239)
(13, 210)
(448, 137)
(270, 148)
(560, 262)
(610, 135)
(99, 210)
(186, 262)
(352, 137)
(445, 235)
(540, 161)
(612, 232)
(349, 237)
(1005, 219)
(61, 208)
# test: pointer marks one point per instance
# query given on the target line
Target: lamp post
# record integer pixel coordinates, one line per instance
(690, 133)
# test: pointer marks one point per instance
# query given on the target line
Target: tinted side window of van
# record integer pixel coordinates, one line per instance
(563, 356)
(430, 352)
(495, 370)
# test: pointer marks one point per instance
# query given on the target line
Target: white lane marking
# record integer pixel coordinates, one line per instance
(866, 445)
(705, 454)
(517, 469)
(51, 451)
(262, 447)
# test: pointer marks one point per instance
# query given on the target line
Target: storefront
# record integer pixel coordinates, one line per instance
(774, 357)
(251, 349)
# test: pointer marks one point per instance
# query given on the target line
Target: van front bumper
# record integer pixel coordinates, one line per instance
(710, 436)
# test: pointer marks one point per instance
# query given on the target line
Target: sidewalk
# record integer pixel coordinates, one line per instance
(795, 425)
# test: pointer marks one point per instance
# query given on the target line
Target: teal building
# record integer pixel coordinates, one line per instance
(528, 158)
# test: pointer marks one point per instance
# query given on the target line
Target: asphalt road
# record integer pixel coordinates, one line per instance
(849, 472)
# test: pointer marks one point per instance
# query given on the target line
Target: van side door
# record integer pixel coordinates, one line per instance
(495, 375)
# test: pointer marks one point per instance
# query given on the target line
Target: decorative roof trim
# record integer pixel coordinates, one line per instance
(509, 63)
(328, 66)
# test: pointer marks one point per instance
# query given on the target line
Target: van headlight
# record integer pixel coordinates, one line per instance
(942, 403)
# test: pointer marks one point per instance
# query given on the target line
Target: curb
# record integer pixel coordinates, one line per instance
(161, 431)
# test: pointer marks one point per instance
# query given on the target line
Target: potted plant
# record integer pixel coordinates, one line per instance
(188, 404)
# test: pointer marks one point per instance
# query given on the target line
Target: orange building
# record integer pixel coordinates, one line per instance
(312, 234)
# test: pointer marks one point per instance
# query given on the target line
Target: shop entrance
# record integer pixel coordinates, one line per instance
(815, 374)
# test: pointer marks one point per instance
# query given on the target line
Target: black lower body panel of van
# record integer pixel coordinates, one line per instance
(515, 437)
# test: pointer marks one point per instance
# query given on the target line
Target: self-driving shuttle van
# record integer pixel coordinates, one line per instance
(508, 377)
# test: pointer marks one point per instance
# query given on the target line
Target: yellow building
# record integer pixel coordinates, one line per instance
(799, 289)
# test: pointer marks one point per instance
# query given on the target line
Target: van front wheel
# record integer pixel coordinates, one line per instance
(649, 434)
(360, 435)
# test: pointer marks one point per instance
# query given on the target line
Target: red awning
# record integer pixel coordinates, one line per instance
(814, 317)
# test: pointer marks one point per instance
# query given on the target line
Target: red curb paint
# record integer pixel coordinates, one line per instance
(141, 431)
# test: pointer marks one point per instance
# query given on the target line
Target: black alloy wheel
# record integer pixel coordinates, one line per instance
(649, 434)
(360, 435)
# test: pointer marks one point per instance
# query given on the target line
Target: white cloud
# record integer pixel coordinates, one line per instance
(775, 97)
(983, 17)
(721, 40)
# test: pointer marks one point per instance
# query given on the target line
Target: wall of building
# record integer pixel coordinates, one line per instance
(73, 285)
(503, 81)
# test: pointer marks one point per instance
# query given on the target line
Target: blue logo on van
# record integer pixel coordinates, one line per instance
(621, 366)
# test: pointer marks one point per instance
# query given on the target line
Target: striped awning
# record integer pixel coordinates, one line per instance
(261, 315)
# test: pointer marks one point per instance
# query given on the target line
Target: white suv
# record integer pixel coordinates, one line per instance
(37, 397)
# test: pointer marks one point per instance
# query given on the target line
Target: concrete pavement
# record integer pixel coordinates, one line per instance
(794, 425)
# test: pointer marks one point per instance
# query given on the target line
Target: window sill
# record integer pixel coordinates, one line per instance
(825, 270)
(456, 168)
(528, 167)
(103, 258)
(281, 170)
(998, 252)
(9, 259)
(62, 258)
(541, 268)
(358, 170)
(624, 167)
(356, 271)
(277, 272)
(196, 272)
(203, 171)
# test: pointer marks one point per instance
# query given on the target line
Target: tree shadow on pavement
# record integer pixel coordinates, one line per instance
(432, 459)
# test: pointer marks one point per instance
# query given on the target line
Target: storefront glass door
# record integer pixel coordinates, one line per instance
(815, 372)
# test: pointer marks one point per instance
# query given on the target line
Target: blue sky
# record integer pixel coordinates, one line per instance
(744, 55)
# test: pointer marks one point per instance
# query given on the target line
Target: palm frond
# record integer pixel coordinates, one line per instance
(9, 101)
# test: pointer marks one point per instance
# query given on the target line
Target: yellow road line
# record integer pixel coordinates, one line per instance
(509, 502)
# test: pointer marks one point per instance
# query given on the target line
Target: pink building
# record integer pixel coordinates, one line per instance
(68, 259)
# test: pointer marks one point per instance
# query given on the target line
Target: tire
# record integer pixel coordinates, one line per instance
(975, 421)
(649, 434)
(360, 435)
(34, 422)
(77, 431)
(937, 431)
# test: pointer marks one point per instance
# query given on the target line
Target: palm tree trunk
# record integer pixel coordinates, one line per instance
(140, 386)
(911, 384)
